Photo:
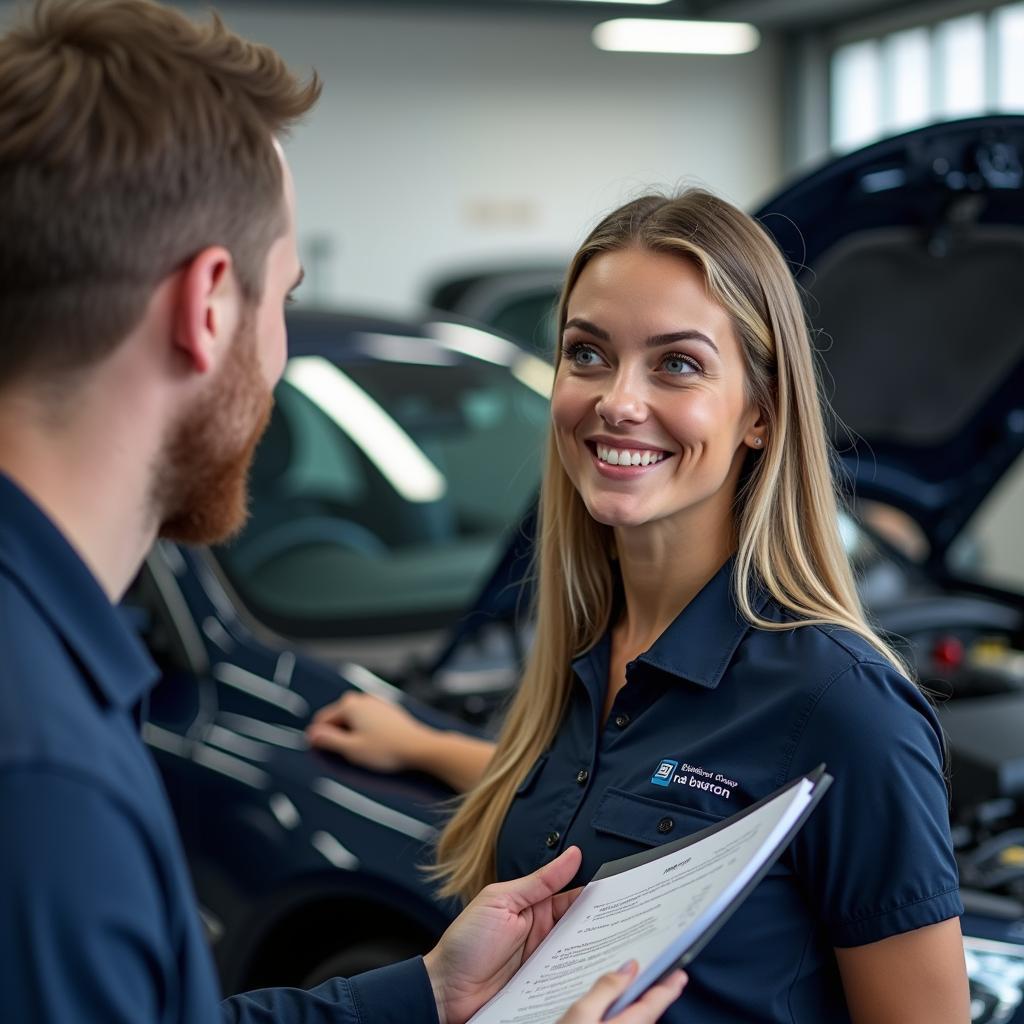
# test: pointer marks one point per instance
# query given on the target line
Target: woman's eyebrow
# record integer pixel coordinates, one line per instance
(691, 335)
(653, 342)
(586, 325)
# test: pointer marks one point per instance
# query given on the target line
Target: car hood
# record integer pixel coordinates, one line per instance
(910, 256)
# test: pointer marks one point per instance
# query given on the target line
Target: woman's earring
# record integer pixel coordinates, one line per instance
(758, 441)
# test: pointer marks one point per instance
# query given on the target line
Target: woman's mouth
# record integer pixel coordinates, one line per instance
(625, 462)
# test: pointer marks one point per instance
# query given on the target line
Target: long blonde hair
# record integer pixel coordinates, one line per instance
(786, 509)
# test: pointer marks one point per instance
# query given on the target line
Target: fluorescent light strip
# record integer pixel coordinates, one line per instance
(471, 341)
(251, 750)
(363, 679)
(537, 375)
(333, 851)
(242, 772)
(285, 811)
(260, 688)
(654, 35)
(284, 668)
(401, 349)
(280, 735)
(217, 634)
(164, 739)
(370, 809)
(379, 437)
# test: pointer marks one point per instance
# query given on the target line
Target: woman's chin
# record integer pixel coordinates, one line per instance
(617, 514)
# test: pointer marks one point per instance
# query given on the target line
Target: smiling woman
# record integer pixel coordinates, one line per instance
(651, 411)
(695, 607)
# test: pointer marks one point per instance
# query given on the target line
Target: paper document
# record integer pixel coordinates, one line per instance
(658, 907)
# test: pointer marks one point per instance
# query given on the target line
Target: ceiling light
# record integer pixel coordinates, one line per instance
(651, 35)
(623, 3)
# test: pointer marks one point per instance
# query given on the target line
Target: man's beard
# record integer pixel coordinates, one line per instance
(200, 488)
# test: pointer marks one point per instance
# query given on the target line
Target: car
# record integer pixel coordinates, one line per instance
(908, 252)
(519, 300)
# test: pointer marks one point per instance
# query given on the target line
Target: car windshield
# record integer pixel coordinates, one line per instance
(384, 489)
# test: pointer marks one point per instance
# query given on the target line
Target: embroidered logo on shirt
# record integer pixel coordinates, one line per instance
(694, 777)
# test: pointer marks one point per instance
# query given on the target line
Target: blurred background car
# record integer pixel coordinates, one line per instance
(519, 301)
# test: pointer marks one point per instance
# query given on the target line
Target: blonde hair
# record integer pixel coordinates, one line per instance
(786, 508)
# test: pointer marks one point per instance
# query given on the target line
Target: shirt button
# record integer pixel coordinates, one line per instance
(552, 840)
(582, 775)
(622, 720)
(666, 825)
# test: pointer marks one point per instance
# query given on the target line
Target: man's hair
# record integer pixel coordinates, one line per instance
(131, 138)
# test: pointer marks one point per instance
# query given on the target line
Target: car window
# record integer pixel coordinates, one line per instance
(382, 493)
(530, 318)
(990, 548)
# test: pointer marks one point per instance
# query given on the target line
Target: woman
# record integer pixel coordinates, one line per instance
(700, 641)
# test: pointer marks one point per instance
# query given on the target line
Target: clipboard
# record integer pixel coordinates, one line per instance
(820, 781)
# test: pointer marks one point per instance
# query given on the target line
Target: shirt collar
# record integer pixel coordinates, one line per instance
(699, 643)
(37, 556)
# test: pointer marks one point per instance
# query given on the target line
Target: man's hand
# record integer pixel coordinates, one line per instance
(486, 944)
(498, 930)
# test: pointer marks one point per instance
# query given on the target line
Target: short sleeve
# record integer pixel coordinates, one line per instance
(875, 856)
(82, 919)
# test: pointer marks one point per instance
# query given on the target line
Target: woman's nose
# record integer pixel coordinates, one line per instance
(621, 403)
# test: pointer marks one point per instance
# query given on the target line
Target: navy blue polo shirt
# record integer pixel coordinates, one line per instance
(98, 923)
(715, 716)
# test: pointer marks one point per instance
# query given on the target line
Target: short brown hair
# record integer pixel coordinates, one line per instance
(131, 138)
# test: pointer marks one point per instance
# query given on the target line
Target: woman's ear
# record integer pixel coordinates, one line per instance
(756, 436)
(209, 305)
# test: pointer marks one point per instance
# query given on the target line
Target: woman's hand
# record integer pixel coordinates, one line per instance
(591, 1008)
(370, 732)
(384, 737)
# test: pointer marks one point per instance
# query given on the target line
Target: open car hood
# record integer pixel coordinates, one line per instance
(910, 255)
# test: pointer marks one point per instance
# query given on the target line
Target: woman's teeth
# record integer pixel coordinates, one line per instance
(628, 457)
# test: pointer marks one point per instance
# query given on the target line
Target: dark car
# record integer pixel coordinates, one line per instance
(909, 253)
(519, 301)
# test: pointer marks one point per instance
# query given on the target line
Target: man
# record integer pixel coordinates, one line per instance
(147, 247)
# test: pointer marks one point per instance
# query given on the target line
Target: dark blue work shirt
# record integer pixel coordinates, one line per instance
(98, 923)
(715, 716)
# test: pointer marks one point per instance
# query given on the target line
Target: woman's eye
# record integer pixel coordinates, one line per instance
(581, 355)
(679, 366)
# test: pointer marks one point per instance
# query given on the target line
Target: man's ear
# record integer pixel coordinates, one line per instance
(208, 308)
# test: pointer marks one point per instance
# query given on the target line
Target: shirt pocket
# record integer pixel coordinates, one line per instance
(648, 821)
(651, 822)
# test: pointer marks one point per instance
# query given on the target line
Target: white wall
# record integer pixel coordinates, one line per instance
(453, 138)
